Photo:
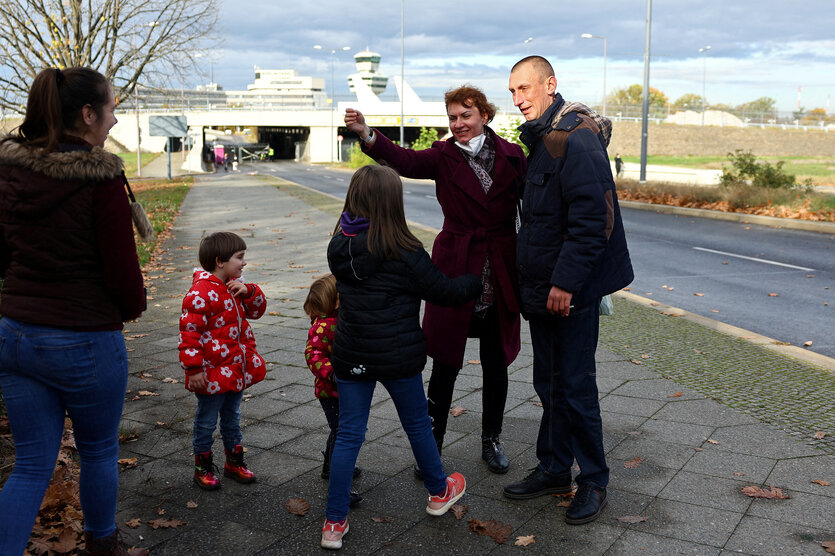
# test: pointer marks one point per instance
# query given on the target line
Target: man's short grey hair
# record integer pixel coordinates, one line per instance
(540, 65)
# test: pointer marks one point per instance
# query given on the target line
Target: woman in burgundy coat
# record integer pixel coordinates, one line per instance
(478, 176)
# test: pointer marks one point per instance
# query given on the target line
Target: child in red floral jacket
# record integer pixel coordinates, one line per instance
(321, 306)
(217, 351)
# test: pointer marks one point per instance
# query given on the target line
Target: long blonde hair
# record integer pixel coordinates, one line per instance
(376, 193)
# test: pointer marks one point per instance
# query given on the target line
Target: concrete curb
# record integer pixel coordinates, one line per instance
(772, 221)
(795, 352)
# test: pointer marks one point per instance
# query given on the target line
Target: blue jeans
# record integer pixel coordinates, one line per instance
(354, 406)
(228, 405)
(564, 377)
(46, 373)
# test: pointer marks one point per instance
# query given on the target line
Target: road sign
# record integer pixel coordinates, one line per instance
(167, 126)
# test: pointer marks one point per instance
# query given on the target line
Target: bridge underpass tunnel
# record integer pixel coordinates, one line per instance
(286, 142)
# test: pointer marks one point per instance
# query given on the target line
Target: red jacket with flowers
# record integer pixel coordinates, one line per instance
(317, 353)
(216, 338)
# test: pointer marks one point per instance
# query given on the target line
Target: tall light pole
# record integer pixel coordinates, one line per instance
(704, 79)
(333, 99)
(590, 36)
(527, 43)
(402, 68)
(645, 96)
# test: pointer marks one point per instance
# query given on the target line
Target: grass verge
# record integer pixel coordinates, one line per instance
(780, 203)
(130, 161)
(161, 200)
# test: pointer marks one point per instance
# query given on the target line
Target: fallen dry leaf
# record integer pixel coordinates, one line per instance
(633, 463)
(773, 493)
(128, 462)
(170, 380)
(297, 506)
(382, 519)
(161, 511)
(632, 518)
(564, 504)
(458, 510)
(474, 361)
(821, 482)
(133, 523)
(738, 474)
(191, 504)
(457, 411)
(645, 356)
(537, 404)
(274, 314)
(676, 395)
(496, 530)
(699, 294)
(829, 546)
(147, 393)
(774, 295)
(636, 362)
(711, 441)
(525, 540)
(162, 523)
(819, 435)
(807, 344)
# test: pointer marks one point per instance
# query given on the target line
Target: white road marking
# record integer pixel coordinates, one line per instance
(766, 261)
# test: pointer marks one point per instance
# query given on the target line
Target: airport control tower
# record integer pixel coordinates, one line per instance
(368, 64)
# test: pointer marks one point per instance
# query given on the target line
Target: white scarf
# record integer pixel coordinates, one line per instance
(473, 145)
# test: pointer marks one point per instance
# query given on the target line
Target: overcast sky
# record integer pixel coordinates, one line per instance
(758, 47)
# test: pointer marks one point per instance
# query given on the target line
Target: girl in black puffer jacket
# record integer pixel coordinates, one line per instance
(382, 274)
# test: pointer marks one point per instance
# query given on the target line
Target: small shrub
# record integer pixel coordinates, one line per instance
(747, 171)
(428, 135)
(357, 158)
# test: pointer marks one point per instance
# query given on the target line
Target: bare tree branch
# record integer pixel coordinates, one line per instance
(126, 40)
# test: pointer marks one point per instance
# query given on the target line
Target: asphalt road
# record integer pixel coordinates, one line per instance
(774, 282)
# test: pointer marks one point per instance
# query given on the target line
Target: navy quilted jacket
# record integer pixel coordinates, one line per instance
(378, 334)
(571, 232)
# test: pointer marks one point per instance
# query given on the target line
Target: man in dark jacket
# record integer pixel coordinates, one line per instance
(571, 250)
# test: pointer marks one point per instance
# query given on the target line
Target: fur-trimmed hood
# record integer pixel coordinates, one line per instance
(33, 181)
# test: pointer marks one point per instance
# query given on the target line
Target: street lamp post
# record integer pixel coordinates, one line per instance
(333, 98)
(590, 36)
(704, 80)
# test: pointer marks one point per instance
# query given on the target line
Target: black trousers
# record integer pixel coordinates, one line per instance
(494, 375)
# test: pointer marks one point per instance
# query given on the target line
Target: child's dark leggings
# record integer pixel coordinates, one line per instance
(331, 408)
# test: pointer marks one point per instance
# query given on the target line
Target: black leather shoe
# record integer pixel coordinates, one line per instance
(491, 452)
(356, 498)
(538, 483)
(588, 502)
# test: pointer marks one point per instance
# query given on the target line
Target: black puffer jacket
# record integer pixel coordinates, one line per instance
(378, 334)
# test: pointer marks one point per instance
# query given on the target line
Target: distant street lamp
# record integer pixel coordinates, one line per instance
(590, 36)
(528, 45)
(704, 80)
(333, 99)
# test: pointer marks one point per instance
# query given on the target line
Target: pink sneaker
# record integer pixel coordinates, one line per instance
(456, 484)
(332, 533)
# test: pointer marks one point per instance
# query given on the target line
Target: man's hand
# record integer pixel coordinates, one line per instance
(197, 382)
(559, 301)
(355, 121)
(236, 288)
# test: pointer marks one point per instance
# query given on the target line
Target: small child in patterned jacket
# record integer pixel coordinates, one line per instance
(217, 352)
(321, 306)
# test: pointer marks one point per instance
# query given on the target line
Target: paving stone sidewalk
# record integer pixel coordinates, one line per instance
(696, 453)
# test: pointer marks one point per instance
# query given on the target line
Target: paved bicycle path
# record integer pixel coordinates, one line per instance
(698, 407)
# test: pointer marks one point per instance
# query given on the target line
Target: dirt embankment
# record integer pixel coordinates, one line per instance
(684, 140)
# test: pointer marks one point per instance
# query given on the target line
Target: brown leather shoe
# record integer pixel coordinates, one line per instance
(110, 545)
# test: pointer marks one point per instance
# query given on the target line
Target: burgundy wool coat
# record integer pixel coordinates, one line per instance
(475, 224)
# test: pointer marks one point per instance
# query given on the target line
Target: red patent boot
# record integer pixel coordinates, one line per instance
(204, 472)
(235, 467)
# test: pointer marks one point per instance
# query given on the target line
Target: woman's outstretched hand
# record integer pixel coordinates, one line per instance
(355, 121)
